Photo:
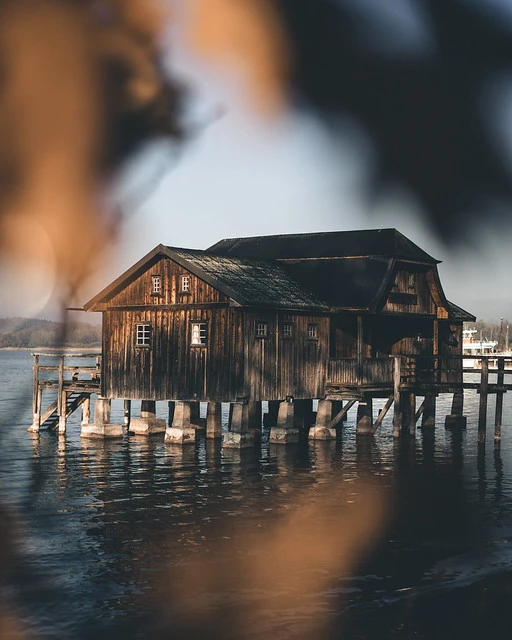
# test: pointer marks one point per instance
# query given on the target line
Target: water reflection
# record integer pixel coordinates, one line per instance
(110, 528)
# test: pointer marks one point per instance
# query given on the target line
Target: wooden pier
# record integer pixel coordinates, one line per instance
(73, 385)
(398, 379)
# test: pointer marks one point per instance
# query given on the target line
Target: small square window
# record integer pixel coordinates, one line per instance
(287, 330)
(156, 284)
(185, 283)
(261, 329)
(143, 335)
(312, 330)
(198, 334)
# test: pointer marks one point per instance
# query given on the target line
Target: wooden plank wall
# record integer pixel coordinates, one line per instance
(234, 363)
(139, 292)
(421, 290)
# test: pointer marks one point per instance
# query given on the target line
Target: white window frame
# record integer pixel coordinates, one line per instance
(143, 335)
(287, 330)
(185, 284)
(262, 329)
(198, 334)
(156, 284)
(313, 330)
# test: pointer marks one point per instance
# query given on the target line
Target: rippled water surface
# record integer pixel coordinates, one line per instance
(105, 530)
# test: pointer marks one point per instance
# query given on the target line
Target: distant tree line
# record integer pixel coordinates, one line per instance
(31, 333)
(499, 330)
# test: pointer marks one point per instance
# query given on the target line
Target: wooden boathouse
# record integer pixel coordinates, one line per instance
(342, 317)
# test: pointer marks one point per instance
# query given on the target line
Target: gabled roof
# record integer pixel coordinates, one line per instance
(386, 243)
(457, 313)
(247, 282)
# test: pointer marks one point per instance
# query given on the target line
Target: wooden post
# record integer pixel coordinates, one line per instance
(37, 397)
(60, 389)
(499, 401)
(429, 412)
(412, 414)
(254, 416)
(127, 412)
(273, 410)
(170, 407)
(482, 414)
(86, 411)
(382, 414)
(456, 419)
(214, 420)
(365, 417)
(63, 411)
(360, 337)
(398, 409)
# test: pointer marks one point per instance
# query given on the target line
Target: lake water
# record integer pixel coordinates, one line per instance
(135, 539)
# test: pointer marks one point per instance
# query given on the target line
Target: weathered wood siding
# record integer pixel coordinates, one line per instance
(277, 365)
(170, 367)
(234, 363)
(410, 294)
(140, 291)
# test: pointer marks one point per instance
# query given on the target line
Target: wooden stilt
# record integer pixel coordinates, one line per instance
(86, 411)
(397, 398)
(412, 414)
(341, 415)
(63, 411)
(482, 413)
(254, 416)
(214, 420)
(429, 412)
(271, 416)
(170, 408)
(127, 413)
(382, 414)
(499, 401)
(456, 419)
(365, 417)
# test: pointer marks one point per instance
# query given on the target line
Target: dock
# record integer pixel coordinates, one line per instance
(410, 385)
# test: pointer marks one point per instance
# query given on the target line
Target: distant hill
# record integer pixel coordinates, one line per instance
(31, 332)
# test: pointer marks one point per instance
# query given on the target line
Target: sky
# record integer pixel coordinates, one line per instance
(243, 175)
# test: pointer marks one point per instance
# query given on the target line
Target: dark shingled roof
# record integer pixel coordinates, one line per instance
(386, 243)
(248, 282)
(351, 283)
(457, 313)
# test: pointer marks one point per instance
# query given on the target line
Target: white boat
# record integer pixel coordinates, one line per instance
(472, 347)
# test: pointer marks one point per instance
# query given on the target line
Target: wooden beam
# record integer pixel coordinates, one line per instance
(382, 413)
(398, 416)
(499, 401)
(482, 414)
(341, 414)
(420, 411)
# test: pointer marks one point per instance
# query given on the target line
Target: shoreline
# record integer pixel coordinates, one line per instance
(56, 349)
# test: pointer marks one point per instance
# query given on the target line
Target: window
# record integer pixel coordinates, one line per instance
(198, 334)
(261, 329)
(185, 283)
(156, 282)
(287, 330)
(143, 335)
(411, 281)
(312, 331)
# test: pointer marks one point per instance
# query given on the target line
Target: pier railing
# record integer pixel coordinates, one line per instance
(73, 383)
(441, 372)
